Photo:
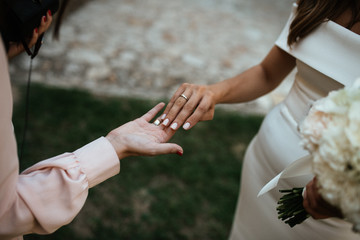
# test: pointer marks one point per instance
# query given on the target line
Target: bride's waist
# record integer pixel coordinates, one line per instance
(298, 102)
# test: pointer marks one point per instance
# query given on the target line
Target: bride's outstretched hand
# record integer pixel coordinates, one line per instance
(190, 104)
(316, 206)
(140, 137)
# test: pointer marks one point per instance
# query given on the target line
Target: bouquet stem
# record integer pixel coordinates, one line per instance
(290, 209)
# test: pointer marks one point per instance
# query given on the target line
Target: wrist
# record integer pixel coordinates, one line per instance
(217, 95)
(118, 145)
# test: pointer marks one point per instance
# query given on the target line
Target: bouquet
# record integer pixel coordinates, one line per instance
(331, 133)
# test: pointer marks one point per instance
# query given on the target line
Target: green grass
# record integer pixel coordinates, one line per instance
(164, 197)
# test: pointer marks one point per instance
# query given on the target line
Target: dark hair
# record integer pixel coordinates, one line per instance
(60, 14)
(311, 13)
(58, 17)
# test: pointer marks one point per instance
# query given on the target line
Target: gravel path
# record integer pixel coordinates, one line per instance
(148, 48)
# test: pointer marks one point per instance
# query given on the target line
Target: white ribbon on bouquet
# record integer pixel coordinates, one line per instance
(300, 167)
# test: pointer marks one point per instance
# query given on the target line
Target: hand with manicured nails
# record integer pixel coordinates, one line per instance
(199, 106)
(140, 137)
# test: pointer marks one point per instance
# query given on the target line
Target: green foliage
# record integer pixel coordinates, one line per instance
(163, 197)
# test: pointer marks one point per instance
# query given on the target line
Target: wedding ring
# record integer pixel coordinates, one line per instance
(183, 95)
(157, 122)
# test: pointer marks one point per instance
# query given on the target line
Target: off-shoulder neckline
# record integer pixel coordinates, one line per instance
(342, 27)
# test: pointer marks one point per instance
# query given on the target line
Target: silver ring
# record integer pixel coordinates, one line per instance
(157, 122)
(183, 95)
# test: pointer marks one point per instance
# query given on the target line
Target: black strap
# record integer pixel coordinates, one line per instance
(37, 46)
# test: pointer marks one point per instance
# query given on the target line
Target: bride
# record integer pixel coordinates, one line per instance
(321, 40)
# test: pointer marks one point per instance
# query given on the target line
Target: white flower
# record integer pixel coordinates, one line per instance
(353, 129)
(331, 133)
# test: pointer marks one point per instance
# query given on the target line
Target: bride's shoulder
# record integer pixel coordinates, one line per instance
(346, 20)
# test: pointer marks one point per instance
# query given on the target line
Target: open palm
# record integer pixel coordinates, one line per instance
(139, 137)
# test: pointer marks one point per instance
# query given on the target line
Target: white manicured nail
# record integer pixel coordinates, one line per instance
(166, 122)
(174, 126)
(163, 116)
(186, 126)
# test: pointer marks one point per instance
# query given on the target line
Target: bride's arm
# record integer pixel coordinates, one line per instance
(256, 81)
(247, 86)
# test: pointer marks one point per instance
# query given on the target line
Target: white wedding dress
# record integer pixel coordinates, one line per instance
(328, 59)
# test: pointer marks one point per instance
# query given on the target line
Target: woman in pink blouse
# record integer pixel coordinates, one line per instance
(51, 193)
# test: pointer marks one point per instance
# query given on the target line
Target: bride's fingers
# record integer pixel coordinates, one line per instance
(186, 111)
(178, 92)
(180, 101)
(200, 114)
(152, 113)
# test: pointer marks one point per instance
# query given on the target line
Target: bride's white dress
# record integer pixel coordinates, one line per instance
(328, 59)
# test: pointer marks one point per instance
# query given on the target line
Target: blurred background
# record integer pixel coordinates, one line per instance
(114, 60)
(148, 48)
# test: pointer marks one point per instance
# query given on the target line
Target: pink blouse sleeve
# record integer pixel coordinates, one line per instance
(51, 193)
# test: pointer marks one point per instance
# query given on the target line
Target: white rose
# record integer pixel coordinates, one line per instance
(334, 103)
(312, 128)
(332, 148)
(353, 129)
(331, 133)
